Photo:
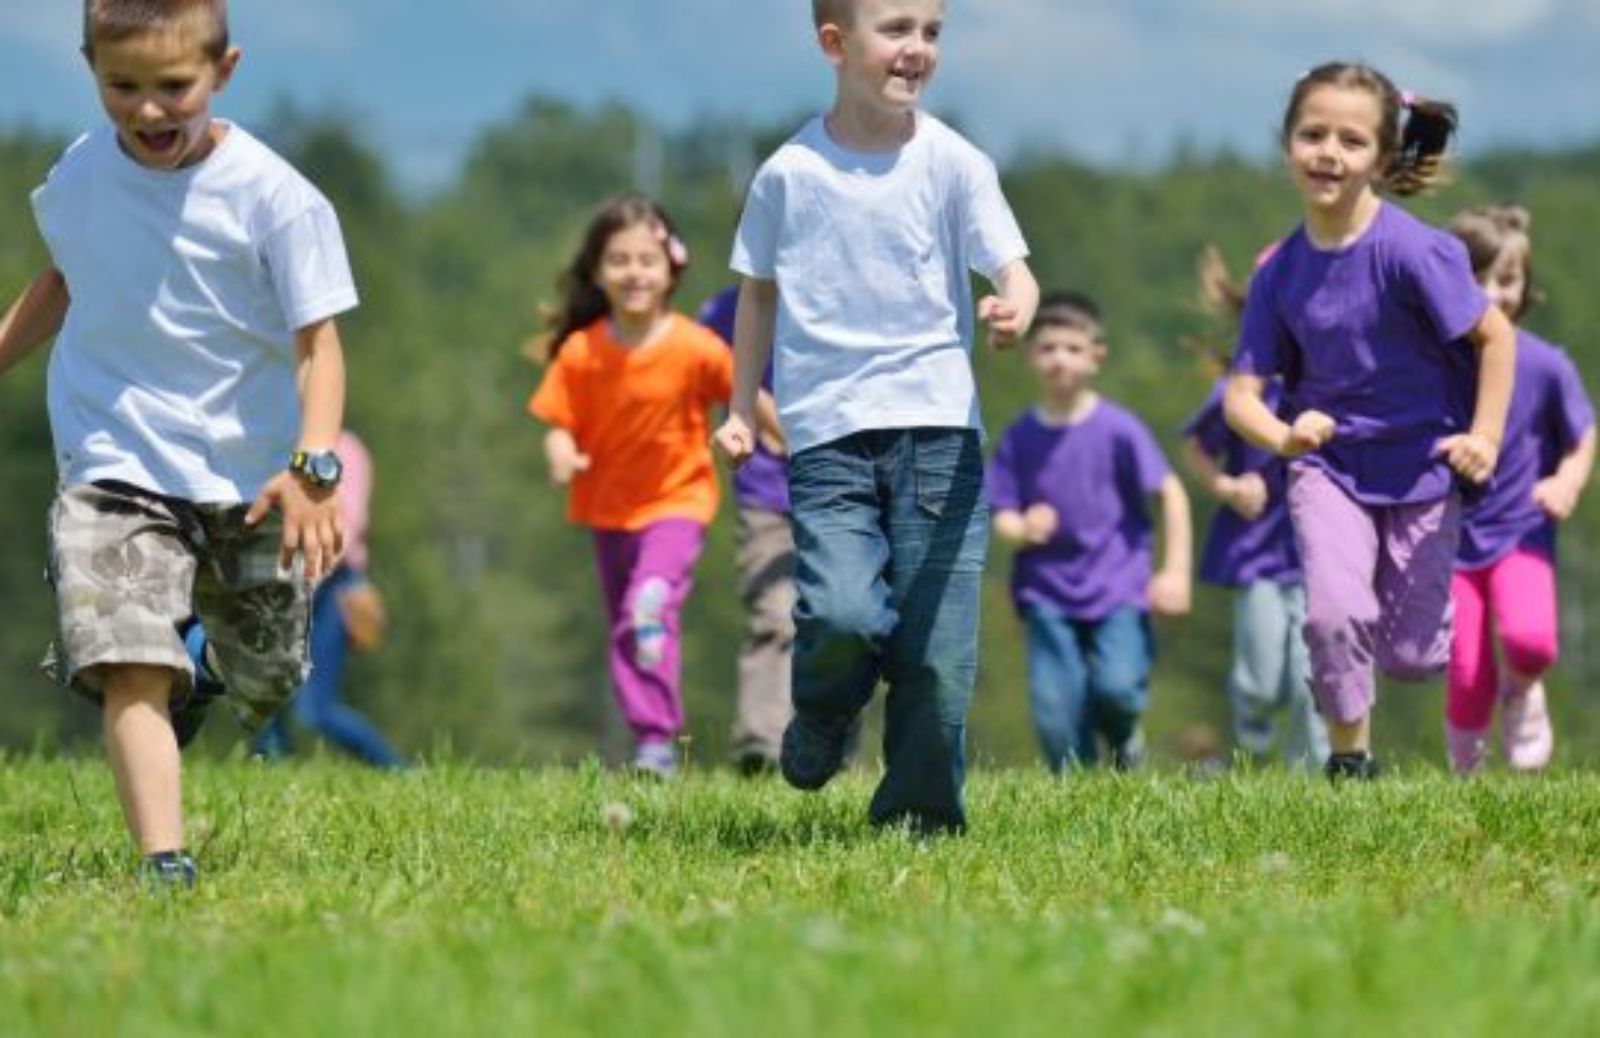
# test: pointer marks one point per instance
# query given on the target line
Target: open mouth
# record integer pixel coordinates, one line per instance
(159, 142)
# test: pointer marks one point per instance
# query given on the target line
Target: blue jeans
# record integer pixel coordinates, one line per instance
(891, 527)
(317, 704)
(1086, 678)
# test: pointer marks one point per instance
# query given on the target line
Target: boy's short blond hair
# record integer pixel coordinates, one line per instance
(837, 12)
(108, 21)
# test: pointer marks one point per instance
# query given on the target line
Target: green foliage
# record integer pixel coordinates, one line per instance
(457, 900)
(498, 631)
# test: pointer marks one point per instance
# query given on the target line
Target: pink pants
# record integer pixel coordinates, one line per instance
(1377, 589)
(1515, 598)
(645, 575)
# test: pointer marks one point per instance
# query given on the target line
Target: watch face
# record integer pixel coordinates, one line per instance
(324, 467)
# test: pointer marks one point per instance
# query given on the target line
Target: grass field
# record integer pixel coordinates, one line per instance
(457, 900)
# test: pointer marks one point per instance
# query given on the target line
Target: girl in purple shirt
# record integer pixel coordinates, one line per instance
(1505, 573)
(1373, 320)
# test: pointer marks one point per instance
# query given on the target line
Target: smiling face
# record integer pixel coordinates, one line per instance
(1333, 147)
(1505, 281)
(156, 88)
(886, 53)
(635, 273)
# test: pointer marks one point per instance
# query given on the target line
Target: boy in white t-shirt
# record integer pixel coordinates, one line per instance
(855, 246)
(196, 390)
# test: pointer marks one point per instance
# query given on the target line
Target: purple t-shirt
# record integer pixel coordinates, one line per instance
(1549, 414)
(761, 483)
(1240, 551)
(1098, 475)
(1372, 334)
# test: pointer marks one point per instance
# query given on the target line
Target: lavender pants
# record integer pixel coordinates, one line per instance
(1377, 589)
(645, 575)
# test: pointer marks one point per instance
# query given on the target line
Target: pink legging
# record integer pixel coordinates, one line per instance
(1516, 599)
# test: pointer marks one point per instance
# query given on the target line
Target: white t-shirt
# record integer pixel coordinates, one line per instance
(174, 370)
(871, 253)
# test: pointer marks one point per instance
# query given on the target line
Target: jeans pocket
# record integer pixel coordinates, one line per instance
(949, 472)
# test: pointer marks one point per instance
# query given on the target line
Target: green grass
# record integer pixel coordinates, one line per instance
(456, 900)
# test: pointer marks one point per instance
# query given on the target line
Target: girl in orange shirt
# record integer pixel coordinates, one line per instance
(626, 397)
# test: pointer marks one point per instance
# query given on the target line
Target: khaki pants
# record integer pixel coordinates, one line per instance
(766, 588)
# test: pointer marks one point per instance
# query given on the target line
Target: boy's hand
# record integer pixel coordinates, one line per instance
(311, 526)
(566, 461)
(1471, 455)
(1170, 593)
(1039, 523)
(1310, 430)
(1003, 318)
(1556, 498)
(734, 440)
(1246, 494)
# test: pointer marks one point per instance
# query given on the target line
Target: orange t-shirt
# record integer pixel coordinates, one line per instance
(640, 414)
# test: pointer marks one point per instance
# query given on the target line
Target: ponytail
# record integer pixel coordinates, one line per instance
(1414, 133)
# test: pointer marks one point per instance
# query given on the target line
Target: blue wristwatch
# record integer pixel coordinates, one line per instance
(318, 468)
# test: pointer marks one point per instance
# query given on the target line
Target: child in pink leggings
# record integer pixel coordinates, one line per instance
(1505, 575)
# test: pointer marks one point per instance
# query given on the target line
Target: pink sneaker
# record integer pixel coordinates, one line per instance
(1525, 732)
(1467, 748)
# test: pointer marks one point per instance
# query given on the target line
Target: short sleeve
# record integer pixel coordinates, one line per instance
(1000, 480)
(310, 271)
(716, 371)
(1208, 428)
(1265, 343)
(552, 402)
(1143, 453)
(991, 236)
(1445, 289)
(755, 243)
(1569, 411)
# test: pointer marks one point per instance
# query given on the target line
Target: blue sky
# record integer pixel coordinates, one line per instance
(1106, 80)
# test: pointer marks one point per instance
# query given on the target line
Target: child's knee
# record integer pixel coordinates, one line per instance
(1414, 661)
(1529, 653)
(126, 684)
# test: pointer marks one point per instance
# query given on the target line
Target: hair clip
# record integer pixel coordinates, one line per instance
(676, 252)
(1408, 99)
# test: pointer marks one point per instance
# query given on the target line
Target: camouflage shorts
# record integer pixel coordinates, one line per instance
(130, 567)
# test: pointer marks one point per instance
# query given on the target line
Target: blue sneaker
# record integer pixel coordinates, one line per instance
(168, 870)
(189, 715)
(815, 749)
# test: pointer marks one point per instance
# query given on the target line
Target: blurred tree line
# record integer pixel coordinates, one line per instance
(496, 647)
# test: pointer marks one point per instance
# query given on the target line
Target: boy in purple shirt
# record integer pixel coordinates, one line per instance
(1372, 320)
(765, 556)
(1069, 484)
(1505, 572)
(1250, 549)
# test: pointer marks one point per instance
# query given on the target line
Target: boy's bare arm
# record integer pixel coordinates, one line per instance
(1171, 588)
(311, 525)
(752, 348)
(1009, 312)
(35, 317)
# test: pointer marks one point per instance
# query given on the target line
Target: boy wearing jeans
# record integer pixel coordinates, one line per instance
(195, 394)
(855, 246)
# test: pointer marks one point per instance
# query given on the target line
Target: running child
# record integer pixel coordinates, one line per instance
(1397, 373)
(626, 396)
(1250, 549)
(1505, 569)
(1071, 484)
(855, 246)
(196, 390)
(765, 557)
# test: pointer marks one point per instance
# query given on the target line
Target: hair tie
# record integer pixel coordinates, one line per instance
(676, 251)
(1408, 99)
